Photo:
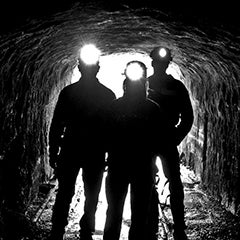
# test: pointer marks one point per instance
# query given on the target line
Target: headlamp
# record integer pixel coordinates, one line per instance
(134, 71)
(161, 54)
(90, 54)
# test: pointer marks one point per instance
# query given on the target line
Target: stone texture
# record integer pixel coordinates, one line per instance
(37, 60)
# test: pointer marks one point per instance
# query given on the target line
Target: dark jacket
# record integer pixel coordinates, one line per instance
(135, 129)
(173, 98)
(79, 122)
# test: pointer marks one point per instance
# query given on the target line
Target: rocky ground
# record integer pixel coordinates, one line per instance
(205, 218)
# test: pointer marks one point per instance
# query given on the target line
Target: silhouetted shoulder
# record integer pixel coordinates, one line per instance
(63, 93)
(181, 88)
(70, 88)
(177, 85)
(107, 91)
(175, 81)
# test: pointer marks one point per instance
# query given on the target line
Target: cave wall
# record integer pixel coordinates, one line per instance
(36, 62)
(212, 147)
(29, 87)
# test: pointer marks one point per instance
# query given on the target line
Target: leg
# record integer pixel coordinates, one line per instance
(66, 187)
(153, 216)
(116, 191)
(141, 192)
(171, 168)
(92, 180)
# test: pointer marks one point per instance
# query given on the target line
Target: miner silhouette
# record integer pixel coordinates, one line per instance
(133, 122)
(173, 98)
(77, 140)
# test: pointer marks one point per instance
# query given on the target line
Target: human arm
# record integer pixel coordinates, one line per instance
(186, 116)
(56, 131)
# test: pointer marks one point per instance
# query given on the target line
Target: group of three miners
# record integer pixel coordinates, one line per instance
(151, 119)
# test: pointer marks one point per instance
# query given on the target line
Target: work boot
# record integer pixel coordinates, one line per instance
(179, 235)
(85, 235)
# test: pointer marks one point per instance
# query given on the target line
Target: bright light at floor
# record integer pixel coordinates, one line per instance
(112, 68)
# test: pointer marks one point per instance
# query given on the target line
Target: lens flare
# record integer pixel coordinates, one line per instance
(134, 72)
(90, 54)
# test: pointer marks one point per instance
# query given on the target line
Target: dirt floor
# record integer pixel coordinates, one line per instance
(205, 218)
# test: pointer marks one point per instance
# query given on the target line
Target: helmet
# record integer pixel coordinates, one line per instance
(161, 54)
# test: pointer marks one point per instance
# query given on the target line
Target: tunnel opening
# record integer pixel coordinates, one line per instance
(37, 62)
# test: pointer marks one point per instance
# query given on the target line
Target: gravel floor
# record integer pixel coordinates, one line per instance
(205, 218)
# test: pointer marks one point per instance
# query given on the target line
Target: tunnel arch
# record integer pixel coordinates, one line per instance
(37, 61)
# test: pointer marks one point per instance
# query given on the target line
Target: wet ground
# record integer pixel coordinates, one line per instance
(205, 218)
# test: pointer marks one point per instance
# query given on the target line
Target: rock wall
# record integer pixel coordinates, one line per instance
(213, 144)
(37, 61)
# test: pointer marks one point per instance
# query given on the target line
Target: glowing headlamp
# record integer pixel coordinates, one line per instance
(90, 54)
(162, 52)
(134, 71)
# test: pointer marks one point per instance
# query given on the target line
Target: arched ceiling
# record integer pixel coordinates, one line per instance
(13, 13)
(50, 42)
(43, 51)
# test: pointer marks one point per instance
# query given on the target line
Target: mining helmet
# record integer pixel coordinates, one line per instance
(161, 54)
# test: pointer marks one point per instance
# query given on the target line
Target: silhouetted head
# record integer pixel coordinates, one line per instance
(135, 84)
(88, 61)
(161, 57)
(88, 70)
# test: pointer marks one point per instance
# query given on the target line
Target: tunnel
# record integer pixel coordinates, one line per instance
(39, 47)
